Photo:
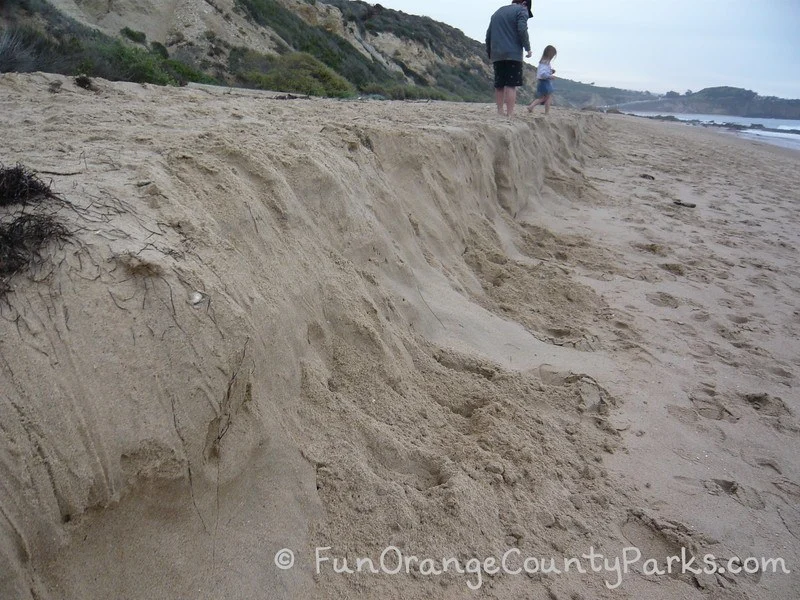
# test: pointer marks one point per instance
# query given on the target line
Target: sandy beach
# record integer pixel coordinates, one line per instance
(337, 327)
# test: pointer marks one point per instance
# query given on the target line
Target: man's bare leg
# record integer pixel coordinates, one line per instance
(547, 104)
(499, 98)
(511, 100)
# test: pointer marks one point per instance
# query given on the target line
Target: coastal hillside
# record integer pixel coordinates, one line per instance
(334, 48)
(723, 101)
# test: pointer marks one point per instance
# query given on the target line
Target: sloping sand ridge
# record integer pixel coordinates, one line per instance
(301, 324)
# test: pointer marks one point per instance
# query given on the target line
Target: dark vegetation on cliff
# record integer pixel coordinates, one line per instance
(327, 49)
(332, 50)
(37, 37)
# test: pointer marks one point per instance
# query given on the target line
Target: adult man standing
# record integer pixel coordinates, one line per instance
(506, 37)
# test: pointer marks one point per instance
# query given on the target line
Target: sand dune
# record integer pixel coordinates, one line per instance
(311, 323)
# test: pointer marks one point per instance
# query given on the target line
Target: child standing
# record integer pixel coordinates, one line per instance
(544, 81)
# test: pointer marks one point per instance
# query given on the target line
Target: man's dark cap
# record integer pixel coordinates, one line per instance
(529, 4)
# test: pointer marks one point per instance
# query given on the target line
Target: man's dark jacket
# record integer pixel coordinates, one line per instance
(507, 35)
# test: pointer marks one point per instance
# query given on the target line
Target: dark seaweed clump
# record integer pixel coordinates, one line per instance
(20, 185)
(22, 239)
(23, 234)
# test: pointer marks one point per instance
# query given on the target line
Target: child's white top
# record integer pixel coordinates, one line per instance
(545, 71)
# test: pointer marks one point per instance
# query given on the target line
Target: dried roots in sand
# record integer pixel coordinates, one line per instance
(24, 235)
(19, 185)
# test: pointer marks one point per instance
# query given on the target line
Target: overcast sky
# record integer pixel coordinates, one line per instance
(652, 45)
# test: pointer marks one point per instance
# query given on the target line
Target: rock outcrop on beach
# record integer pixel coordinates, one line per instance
(303, 324)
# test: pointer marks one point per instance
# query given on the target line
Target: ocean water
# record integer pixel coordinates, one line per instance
(779, 132)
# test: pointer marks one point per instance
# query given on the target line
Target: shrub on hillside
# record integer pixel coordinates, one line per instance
(25, 50)
(135, 36)
(159, 49)
(15, 53)
(116, 61)
(407, 92)
(334, 51)
(62, 45)
(463, 81)
(119, 62)
(295, 72)
(183, 73)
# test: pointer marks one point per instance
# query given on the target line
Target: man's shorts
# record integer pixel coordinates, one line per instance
(507, 73)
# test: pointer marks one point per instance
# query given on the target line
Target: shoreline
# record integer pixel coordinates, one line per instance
(784, 138)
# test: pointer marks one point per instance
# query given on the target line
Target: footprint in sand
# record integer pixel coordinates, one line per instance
(663, 300)
(767, 405)
(767, 463)
(738, 319)
(659, 539)
(727, 357)
(781, 372)
(744, 495)
(652, 248)
(703, 367)
(763, 281)
(763, 463)
(690, 418)
(698, 349)
(708, 407)
(726, 333)
(722, 275)
(683, 329)
(674, 268)
(654, 541)
(770, 410)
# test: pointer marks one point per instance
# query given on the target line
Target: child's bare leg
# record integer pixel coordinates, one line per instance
(533, 104)
(499, 98)
(547, 104)
(511, 100)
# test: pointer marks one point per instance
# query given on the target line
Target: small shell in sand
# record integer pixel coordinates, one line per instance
(197, 298)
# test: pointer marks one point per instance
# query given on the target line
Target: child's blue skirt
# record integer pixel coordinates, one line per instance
(544, 87)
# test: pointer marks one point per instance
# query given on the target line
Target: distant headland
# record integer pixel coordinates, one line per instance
(720, 101)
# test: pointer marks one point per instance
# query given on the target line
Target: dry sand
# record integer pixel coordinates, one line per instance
(311, 323)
